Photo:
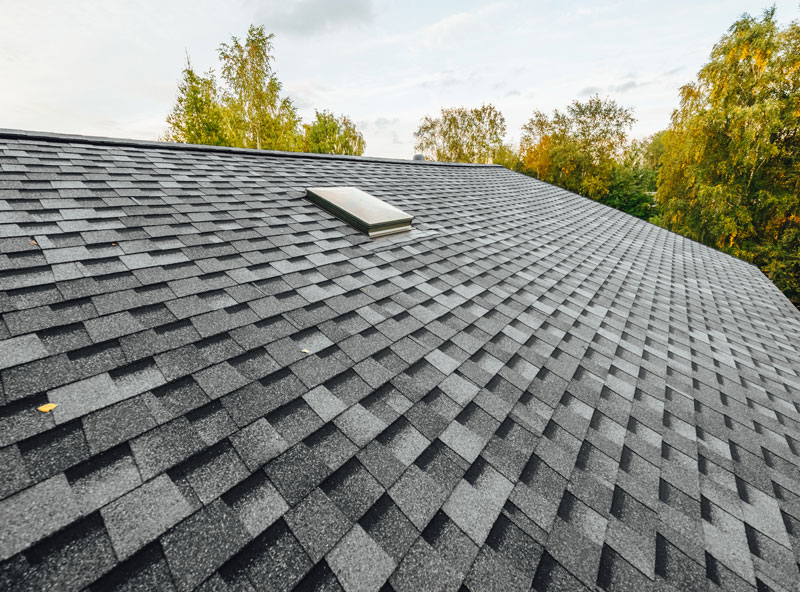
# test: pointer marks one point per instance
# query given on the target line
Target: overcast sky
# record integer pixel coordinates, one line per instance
(111, 68)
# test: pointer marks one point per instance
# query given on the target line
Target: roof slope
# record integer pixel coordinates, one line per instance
(528, 390)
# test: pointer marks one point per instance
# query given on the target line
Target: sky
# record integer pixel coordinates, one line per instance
(111, 68)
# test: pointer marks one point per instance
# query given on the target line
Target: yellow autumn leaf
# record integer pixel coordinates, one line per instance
(305, 351)
(47, 408)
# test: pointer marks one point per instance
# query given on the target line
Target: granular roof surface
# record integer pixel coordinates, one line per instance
(529, 391)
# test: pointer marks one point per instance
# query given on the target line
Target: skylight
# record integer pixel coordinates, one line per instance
(361, 210)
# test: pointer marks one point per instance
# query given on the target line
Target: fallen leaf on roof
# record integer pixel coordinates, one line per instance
(47, 408)
(33, 242)
(305, 351)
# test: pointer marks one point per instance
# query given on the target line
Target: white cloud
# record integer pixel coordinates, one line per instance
(308, 17)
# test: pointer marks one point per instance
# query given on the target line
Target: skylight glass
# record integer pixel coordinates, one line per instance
(361, 210)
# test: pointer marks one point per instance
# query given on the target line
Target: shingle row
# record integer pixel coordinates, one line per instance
(530, 391)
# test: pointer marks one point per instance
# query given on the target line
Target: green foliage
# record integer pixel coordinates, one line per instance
(331, 135)
(628, 191)
(462, 135)
(247, 110)
(197, 117)
(259, 117)
(577, 149)
(509, 156)
(730, 173)
(586, 150)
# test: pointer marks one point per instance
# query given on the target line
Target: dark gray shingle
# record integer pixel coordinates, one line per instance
(530, 390)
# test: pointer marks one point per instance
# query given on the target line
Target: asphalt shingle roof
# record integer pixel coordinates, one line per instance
(528, 391)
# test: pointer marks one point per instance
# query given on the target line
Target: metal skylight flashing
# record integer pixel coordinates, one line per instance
(362, 211)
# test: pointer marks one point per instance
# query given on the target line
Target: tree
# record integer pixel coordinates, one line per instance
(247, 109)
(197, 117)
(462, 135)
(259, 117)
(508, 156)
(730, 174)
(331, 135)
(577, 149)
(633, 181)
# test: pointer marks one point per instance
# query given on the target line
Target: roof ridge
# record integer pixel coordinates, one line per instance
(17, 134)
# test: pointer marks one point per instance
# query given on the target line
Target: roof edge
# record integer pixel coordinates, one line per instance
(16, 134)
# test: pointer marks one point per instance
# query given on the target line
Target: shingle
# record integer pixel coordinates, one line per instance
(451, 544)
(219, 380)
(254, 364)
(373, 373)
(137, 377)
(165, 446)
(13, 472)
(320, 579)
(213, 471)
(111, 326)
(176, 398)
(52, 315)
(69, 560)
(352, 489)
(103, 479)
(389, 527)
(273, 561)
(35, 513)
(349, 387)
(258, 443)
(259, 398)
(317, 368)
(64, 338)
(97, 358)
(423, 569)
(359, 425)
(459, 389)
(318, 524)
(143, 514)
(81, 398)
(295, 420)
(19, 350)
(152, 341)
(117, 423)
(196, 547)
(359, 563)
(418, 496)
(405, 442)
(331, 446)
(472, 385)
(324, 403)
(296, 472)
(381, 463)
(180, 362)
(472, 511)
(41, 375)
(211, 422)
(51, 452)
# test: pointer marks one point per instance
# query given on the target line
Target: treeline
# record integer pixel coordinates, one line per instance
(245, 107)
(726, 172)
(585, 149)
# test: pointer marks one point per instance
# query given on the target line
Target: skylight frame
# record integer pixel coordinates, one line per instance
(361, 210)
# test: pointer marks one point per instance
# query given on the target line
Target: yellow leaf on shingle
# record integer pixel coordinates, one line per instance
(47, 408)
(305, 351)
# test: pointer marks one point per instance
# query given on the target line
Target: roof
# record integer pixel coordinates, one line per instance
(528, 390)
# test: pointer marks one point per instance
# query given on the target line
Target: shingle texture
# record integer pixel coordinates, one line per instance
(529, 391)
